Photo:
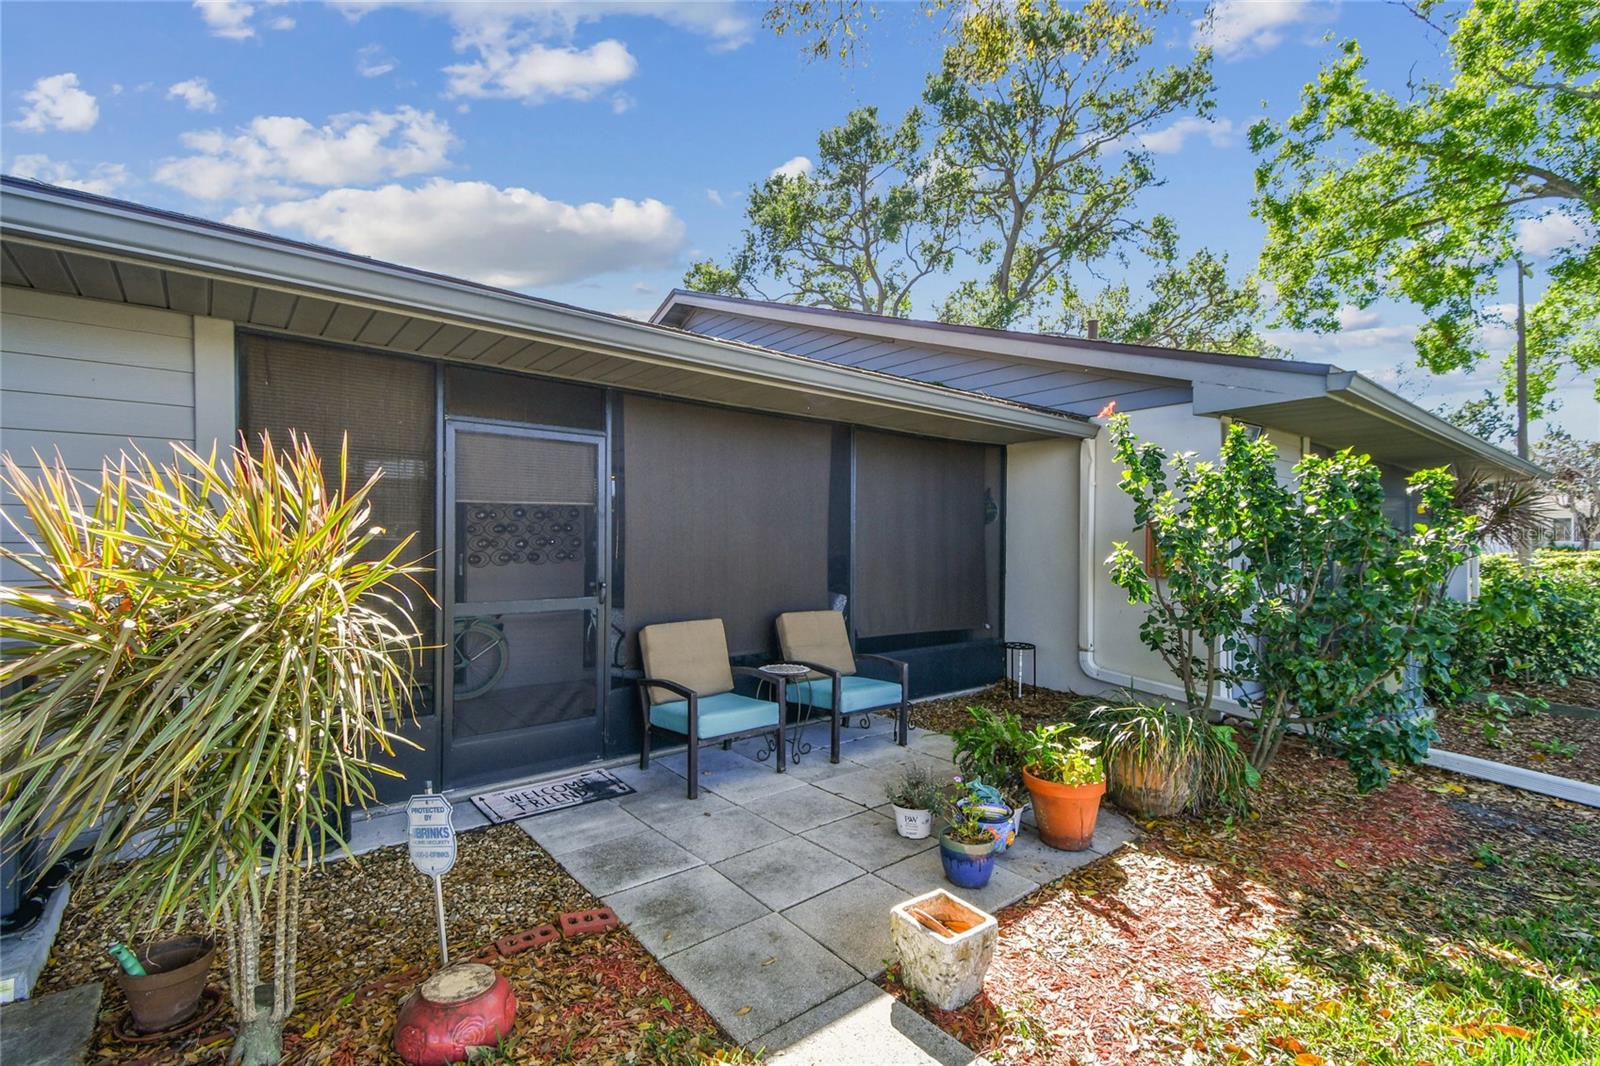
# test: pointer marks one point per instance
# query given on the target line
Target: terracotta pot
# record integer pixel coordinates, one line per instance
(1065, 814)
(175, 976)
(1149, 789)
(467, 1005)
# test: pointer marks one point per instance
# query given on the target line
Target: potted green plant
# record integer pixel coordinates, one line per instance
(966, 847)
(914, 795)
(216, 653)
(1066, 780)
(1161, 760)
(989, 750)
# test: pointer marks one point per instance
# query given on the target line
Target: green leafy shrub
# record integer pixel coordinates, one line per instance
(1302, 597)
(1168, 738)
(1055, 753)
(1541, 627)
(991, 750)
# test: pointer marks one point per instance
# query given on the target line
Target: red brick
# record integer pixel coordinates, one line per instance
(394, 982)
(584, 923)
(517, 943)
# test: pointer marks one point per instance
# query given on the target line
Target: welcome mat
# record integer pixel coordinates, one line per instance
(525, 801)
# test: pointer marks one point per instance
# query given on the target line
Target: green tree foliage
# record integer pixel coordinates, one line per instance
(1191, 303)
(204, 666)
(1366, 195)
(877, 215)
(1035, 101)
(1485, 417)
(1301, 599)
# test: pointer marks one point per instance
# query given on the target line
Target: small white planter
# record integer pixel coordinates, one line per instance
(912, 823)
(947, 970)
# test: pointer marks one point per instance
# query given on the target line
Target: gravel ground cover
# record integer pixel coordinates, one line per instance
(599, 999)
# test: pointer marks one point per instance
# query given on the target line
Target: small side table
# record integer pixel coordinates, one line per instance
(1015, 650)
(790, 672)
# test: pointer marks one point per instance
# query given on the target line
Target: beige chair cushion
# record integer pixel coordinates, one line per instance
(816, 637)
(691, 653)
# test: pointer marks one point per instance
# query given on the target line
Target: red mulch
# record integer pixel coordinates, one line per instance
(1082, 966)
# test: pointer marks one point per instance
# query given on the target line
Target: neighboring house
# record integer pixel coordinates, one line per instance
(576, 475)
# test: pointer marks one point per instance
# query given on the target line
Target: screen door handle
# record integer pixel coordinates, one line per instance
(600, 592)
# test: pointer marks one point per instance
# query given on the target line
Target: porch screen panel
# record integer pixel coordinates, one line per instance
(924, 514)
(386, 407)
(725, 516)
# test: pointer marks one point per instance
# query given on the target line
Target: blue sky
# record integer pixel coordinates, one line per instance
(589, 151)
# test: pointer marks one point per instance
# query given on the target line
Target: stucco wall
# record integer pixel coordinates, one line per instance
(1043, 562)
(90, 378)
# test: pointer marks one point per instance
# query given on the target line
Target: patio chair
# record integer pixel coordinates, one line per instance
(818, 640)
(688, 689)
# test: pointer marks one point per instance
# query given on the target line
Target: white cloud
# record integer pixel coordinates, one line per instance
(622, 102)
(793, 168)
(714, 197)
(232, 19)
(510, 237)
(1352, 317)
(727, 23)
(1170, 139)
(1550, 232)
(538, 72)
(56, 103)
(195, 94)
(372, 61)
(104, 179)
(1235, 29)
(1361, 340)
(276, 155)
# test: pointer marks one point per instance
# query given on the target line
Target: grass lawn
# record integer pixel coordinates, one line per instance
(1441, 920)
(600, 999)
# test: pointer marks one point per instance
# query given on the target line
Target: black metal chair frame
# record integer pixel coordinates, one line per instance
(903, 675)
(693, 736)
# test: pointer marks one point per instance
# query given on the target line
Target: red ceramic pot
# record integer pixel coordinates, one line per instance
(460, 1007)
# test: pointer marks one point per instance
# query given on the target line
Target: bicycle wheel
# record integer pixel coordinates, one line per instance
(481, 658)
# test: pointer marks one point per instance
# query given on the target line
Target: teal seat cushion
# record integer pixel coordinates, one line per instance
(857, 693)
(724, 713)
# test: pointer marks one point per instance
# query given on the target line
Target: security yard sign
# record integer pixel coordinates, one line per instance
(430, 835)
(431, 839)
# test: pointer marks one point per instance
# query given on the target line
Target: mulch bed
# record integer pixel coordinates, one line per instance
(1552, 743)
(1217, 940)
(597, 999)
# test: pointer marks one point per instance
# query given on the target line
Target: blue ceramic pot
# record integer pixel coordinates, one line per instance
(966, 865)
(1001, 821)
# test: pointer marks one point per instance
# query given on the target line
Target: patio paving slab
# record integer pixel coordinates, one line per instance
(869, 840)
(684, 909)
(852, 921)
(803, 808)
(563, 832)
(613, 865)
(866, 785)
(716, 835)
(1030, 857)
(52, 1030)
(865, 1026)
(754, 978)
(782, 874)
(660, 805)
(939, 745)
(924, 872)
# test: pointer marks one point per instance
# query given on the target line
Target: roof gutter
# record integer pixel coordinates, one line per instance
(225, 253)
(1356, 391)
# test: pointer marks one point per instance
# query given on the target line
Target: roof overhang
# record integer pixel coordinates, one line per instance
(1356, 412)
(60, 241)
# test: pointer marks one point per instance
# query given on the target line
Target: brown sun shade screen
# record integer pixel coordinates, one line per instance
(384, 404)
(921, 535)
(726, 517)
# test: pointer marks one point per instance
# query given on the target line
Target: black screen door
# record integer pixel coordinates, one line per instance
(525, 532)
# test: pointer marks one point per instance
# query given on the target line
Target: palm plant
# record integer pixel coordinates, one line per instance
(202, 665)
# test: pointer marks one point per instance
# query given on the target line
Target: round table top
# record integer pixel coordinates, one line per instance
(1019, 645)
(786, 669)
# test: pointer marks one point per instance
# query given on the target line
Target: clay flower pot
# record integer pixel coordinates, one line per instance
(175, 977)
(1149, 789)
(1065, 814)
(966, 865)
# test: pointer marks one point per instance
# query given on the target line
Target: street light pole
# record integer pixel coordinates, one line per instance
(1522, 367)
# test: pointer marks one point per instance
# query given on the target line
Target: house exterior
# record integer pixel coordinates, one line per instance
(572, 476)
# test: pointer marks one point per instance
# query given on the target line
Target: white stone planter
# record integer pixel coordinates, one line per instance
(947, 970)
(912, 823)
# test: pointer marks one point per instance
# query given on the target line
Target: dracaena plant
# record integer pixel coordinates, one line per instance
(203, 661)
